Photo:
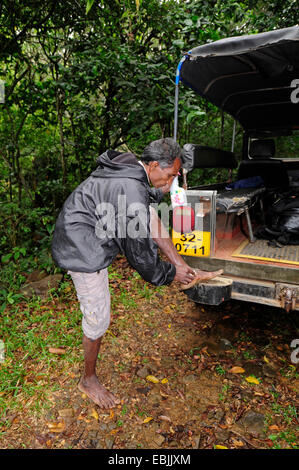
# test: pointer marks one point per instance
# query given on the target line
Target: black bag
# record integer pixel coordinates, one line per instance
(282, 221)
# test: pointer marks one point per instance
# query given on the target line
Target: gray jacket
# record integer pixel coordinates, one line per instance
(76, 245)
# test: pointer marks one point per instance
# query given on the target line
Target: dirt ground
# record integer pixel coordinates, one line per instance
(188, 376)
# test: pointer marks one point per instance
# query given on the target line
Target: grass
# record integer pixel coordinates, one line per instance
(224, 392)
(219, 370)
(28, 329)
(248, 355)
(288, 414)
(289, 372)
(286, 437)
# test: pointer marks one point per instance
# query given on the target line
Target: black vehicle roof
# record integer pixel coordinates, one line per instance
(249, 77)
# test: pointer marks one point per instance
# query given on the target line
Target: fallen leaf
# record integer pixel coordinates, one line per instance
(40, 376)
(164, 381)
(56, 427)
(266, 359)
(229, 420)
(163, 394)
(164, 418)
(153, 379)
(269, 442)
(252, 380)
(237, 370)
(94, 414)
(225, 317)
(147, 420)
(220, 447)
(238, 443)
(167, 309)
(114, 431)
(83, 395)
(57, 350)
(111, 414)
(274, 427)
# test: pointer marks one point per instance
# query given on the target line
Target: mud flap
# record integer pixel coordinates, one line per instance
(213, 292)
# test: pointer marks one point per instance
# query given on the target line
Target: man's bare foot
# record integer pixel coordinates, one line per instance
(202, 276)
(97, 393)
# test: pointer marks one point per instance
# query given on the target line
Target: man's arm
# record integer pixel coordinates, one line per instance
(163, 240)
(142, 250)
(143, 255)
(161, 237)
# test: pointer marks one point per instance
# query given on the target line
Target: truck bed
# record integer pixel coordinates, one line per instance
(226, 257)
(268, 282)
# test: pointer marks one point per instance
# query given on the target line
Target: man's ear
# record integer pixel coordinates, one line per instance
(153, 164)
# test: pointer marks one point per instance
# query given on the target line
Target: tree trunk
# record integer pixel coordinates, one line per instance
(222, 131)
(18, 175)
(59, 109)
(77, 153)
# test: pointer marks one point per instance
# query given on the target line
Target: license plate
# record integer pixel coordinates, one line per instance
(195, 243)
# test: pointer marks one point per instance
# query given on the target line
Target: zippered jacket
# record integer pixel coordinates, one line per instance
(80, 240)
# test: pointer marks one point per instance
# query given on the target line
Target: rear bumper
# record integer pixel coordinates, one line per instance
(275, 286)
(276, 294)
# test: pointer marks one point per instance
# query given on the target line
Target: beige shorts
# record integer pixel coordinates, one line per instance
(94, 297)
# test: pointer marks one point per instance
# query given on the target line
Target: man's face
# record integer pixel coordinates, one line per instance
(161, 176)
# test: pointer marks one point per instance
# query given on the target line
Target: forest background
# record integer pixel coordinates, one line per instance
(80, 77)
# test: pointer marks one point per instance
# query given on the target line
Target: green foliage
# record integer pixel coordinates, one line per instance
(84, 76)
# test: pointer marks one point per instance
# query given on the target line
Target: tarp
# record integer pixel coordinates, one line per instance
(250, 77)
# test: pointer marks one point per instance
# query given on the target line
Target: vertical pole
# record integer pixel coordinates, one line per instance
(176, 105)
(176, 97)
(232, 149)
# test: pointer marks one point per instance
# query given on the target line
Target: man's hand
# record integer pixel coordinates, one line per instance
(202, 276)
(184, 274)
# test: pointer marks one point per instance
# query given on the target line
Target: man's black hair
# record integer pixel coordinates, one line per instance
(164, 151)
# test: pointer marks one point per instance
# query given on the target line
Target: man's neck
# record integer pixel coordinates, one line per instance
(145, 169)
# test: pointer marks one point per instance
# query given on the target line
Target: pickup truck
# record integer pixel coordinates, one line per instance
(255, 79)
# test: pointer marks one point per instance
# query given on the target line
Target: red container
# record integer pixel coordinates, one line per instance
(183, 219)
